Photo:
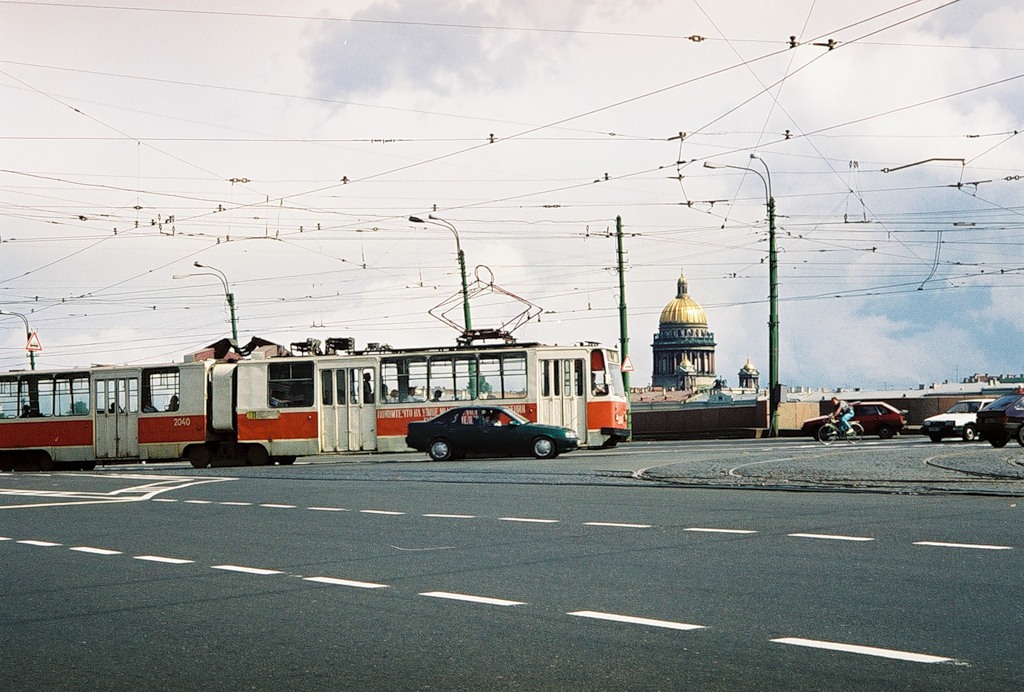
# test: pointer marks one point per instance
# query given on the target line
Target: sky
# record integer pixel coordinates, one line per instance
(286, 145)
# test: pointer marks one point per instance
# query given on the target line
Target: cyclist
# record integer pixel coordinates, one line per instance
(842, 414)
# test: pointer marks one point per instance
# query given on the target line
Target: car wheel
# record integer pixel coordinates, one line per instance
(970, 433)
(1020, 436)
(440, 450)
(935, 437)
(544, 448)
(885, 432)
(998, 442)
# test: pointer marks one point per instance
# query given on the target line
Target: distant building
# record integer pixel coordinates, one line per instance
(750, 378)
(684, 349)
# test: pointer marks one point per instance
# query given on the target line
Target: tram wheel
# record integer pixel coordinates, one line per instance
(257, 455)
(199, 457)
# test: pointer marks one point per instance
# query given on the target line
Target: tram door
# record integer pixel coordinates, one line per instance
(562, 399)
(348, 409)
(117, 417)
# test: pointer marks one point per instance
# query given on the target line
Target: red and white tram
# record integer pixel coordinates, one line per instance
(259, 410)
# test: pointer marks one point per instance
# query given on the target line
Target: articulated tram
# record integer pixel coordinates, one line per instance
(271, 407)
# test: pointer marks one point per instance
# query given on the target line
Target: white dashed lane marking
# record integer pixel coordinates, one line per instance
(247, 570)
(830, 537)
(604, 524)
(165, 560)
(974, 546)
(632, 620)
(612, 524)
(864, 650)
(708, 530)
(486, 600)
(95, 551)
(909, 656)
(346, 582)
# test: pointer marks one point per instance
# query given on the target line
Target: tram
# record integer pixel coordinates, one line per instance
(272, 406)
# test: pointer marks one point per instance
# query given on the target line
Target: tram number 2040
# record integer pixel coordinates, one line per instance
(182, 422)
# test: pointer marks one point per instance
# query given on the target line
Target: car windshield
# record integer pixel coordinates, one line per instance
(965, 407)
(1003, 402)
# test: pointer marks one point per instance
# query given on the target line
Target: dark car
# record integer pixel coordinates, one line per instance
(1003, 419)
(488, 430)
(876, 417)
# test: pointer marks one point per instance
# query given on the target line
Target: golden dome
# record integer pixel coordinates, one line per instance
(683, 309)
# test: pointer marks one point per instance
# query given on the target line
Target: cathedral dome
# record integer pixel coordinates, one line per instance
(683, 309)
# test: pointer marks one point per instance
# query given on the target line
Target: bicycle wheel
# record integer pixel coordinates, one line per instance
(856, 433)
(827, 434)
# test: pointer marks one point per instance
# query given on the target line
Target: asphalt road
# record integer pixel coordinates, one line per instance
(605, 570)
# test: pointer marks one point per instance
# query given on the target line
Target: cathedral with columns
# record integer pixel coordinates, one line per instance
(684, 348)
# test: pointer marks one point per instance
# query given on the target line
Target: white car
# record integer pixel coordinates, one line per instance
(959, 421)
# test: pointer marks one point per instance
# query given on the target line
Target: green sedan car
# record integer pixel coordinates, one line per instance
(489, 431)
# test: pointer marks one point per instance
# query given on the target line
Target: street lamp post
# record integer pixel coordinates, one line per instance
(774, 395)
(227, 291)
(462, 263)
(28, 336)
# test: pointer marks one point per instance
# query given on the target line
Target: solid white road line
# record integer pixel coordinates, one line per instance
(246, 570)
(864, 650)
(96, 551)
(472, 599)
(451, 516)
(381, 511)
(527, 520)
(614, 617)
(704, 530)
(166, 560)
(346, 582)
(616, 525)
(41, 544)
(830, 537)
(975, 546)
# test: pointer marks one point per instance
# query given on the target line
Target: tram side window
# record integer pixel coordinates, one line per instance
(578, 376)
(290, 385)
(445, 374)
(502, 376)
(403, 379)
(35, 396)
(160, 390)
(71, 396)
(8, 397)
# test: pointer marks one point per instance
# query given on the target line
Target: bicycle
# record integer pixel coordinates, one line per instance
(829, 433)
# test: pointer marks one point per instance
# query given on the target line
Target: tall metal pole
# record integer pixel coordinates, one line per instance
(623, 322)
(773, 324)
(227, 291)
(28, 336)
(774, 391)
(466, 319)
